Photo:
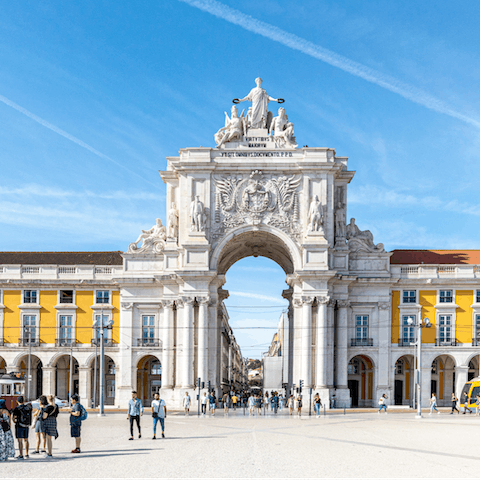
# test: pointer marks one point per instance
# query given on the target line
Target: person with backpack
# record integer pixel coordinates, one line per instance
(7, 445)
(22, 417)
(77, 414)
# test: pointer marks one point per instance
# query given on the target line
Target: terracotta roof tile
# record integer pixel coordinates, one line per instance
(61, 258)
(436, 257)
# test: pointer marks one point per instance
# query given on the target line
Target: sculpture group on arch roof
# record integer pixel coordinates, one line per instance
(258, 117)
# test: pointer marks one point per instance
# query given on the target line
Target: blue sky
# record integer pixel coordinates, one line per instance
(95, 94)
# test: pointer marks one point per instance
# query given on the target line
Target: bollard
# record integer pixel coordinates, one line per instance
(344, 410)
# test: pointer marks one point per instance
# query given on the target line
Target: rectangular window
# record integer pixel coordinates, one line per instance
(29, 328)
(148, 328)
(477, 325)
(478, 296)
(111, 388)
(446, 296)
(409, 296)
(66, 296)
(408, 329)
(66, 329)
(30, 296)
(445, 328)
(102, 296)
(98, 327)
(361, 327)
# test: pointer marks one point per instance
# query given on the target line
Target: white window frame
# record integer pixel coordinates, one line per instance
(445, 326)
(409, 290)
(74, 302)
(108, 314)
(73, 327)
(446, 290)
(476, 299)
(37, 326)
(364, 328)
(154, 327)
(102, 290)
(411, 328)
(408, 310)
(30, 290)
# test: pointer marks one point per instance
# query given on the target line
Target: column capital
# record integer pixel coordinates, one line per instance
(331, 303)
(307, 300)
(187, 300)
(167, 303)
(343, 303)
(126, 305)
(323, 300)
(203, 300)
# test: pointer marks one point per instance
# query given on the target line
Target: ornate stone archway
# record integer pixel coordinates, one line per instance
(256, 193)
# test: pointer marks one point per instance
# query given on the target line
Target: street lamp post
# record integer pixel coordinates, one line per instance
(70, 382)
(27, 332)
(418, 378)
(104, 324)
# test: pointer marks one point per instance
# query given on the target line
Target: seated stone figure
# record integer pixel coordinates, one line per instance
(153, 239)
(234, 128)
(283, 129)
(361, 241)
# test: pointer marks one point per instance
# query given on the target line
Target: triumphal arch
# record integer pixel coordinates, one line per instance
(256, 193)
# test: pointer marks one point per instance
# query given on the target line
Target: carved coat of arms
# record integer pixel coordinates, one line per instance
(255, 199)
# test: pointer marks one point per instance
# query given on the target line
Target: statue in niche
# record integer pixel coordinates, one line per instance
(283, 129)
(259, 98)
(153, 239)
(315, 216)
(172, 222)
(340, 214)
(359, 240)
(234, 128)
(197, 215)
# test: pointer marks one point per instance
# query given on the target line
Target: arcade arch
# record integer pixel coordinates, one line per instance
(110, 383)
(36, 371)
(62, 376)
(443, 379)
(3, 366)
(149, 378)
(361, 381)
(404, 386)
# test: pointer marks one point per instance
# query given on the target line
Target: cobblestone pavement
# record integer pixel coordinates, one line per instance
(352, 445)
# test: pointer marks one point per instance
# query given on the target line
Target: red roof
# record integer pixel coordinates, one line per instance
(438, 257)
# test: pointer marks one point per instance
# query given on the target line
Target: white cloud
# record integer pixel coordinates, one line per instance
(258, 296)
(294, 42)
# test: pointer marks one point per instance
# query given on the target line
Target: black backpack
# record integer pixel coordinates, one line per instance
(24, 418)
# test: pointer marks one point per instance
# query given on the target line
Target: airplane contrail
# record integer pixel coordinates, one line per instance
(66, 135)
(295, 42)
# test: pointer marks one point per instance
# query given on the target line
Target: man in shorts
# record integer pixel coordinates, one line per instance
(22, 417)
(75, 422)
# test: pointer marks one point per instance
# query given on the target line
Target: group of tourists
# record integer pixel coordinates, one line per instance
(433, 404)
(44, 420)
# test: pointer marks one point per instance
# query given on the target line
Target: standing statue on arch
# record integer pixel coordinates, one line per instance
(197, 215)
(259, 98)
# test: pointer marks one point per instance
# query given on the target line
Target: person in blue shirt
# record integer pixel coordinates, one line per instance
(159, 414)
(135, 411)
(75, 422)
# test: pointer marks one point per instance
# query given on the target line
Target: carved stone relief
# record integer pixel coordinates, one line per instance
(257, 199)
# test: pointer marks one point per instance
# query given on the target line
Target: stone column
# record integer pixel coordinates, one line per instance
(203, 338)
(321, 343)
(307, 341)
(123, 378)
(342, 392)
(385, 380)
(48, 381)
(168, 353)
(230, 367)
(85, 386)
(330, 342)
(188, 325)
(461, 375)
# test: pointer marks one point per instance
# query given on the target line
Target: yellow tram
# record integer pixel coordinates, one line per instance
(472, 388)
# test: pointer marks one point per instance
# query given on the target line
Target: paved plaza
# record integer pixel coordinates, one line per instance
(352, 445)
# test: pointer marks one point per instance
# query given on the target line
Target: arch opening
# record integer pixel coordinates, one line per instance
(361, 381)
(62, 376)
(404, 386)
(443, 379)
(109, 380)
(149, 378)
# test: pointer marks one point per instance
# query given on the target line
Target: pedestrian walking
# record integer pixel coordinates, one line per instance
(22, 417)
(212, 403)
(186, 403)
(77, 413)
(317, 403)
(7, 445)
(251, 405)
(299, 404)
(266, 400)
(290, 404)
(135, 411)
(433, 404)
(159, 414)
(39, 431)
(280, 402)
(50, 414)
(258, 404)
(454, 404)
(274, 403)
(204, 403)
(382, 403)
(477, 404)
(234, 401)
(466, 403)
(225, 400)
